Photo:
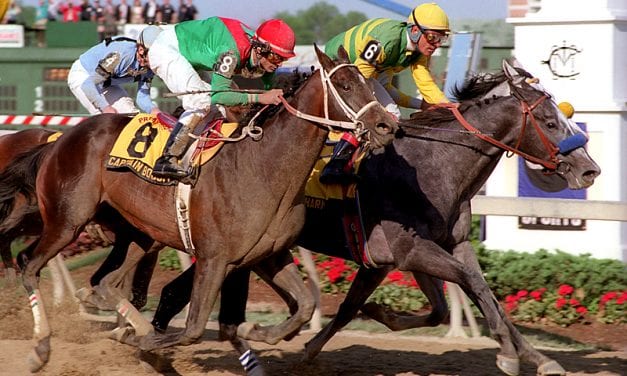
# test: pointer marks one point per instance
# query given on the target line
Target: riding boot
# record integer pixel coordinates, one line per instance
(169, 164)
(339, 170)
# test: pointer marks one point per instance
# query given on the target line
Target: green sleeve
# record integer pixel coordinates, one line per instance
(227, 98)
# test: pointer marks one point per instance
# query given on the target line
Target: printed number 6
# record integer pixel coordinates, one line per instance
(225, 67)
(370, 52)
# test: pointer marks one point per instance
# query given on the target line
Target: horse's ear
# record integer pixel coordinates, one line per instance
(512, 74)
(325, 61)
(516, 63)
(342, 55)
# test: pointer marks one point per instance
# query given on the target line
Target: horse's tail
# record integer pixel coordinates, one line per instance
(19, 178)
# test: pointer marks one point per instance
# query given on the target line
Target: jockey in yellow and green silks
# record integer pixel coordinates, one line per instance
(381, 48)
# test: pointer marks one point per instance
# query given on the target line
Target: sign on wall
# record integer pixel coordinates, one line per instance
(11, 36)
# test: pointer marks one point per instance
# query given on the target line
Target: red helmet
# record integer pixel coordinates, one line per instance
(279, 36)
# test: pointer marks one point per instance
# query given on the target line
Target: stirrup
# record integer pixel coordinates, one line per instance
(164, 167)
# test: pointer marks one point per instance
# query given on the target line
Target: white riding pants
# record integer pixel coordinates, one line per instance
(179, 76)
(384, 98)
(115, 95)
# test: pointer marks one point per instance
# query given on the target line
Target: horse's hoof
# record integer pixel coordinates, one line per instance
(257, 371)
(245, 329)
(35, 363)
(509, 366)
(551, 368)
(83, 294)
(120, 334)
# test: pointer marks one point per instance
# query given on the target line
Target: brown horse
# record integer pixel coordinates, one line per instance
(247, 205)
(11, 146)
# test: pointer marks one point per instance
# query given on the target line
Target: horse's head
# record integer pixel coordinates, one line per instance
(546, 136)
(350, 102)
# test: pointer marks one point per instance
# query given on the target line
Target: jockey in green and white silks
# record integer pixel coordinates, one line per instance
(381, 48)
(225, 47)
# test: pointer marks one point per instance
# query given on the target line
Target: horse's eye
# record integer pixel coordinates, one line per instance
(551, 125)
(346, 87)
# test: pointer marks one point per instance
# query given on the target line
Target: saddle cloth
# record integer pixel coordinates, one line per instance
(318, 196)
(143, 139)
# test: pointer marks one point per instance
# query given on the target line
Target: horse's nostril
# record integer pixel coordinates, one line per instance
(383, 128)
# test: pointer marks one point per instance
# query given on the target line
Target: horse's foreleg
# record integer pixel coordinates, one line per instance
(114, 260)
(233, 297)
(174, 297)
(107, 293)
(432, 288)
(364, 284)
(285, 275)
(505, 361)
(208, 279)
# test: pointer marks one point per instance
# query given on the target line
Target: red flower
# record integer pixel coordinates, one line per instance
(564, 290)
(511, 299)
(522, 293)
(351, 277)
(395, 276)
(582, 310)
(559, 303)
(334, 274)
(537, 295)
(574, 302)
(608, 296)
(510, 306)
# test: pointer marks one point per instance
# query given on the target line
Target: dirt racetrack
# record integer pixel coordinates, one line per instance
(81, 348)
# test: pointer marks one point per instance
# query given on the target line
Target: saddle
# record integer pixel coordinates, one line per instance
(143, 139)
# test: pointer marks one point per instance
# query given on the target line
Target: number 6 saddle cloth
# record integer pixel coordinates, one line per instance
(143, 139)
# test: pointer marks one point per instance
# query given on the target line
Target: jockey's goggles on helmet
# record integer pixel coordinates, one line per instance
(434, 36)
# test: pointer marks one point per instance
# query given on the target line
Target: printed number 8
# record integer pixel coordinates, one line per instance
(142, 140)
(225, 67)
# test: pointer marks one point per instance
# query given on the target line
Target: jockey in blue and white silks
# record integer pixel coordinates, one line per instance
(97, 76)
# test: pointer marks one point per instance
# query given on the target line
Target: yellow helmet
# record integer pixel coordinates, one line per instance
(429, 16)
(567, 109)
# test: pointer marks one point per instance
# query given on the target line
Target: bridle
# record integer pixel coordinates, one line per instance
(355, 125)
(553, 163)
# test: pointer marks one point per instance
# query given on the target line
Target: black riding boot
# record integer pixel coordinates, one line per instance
(339, 170)
(168, 165)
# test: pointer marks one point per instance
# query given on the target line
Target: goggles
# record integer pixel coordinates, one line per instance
(434, 37)
(274, 58)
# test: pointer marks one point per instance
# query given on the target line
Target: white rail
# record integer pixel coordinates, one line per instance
(550, 207)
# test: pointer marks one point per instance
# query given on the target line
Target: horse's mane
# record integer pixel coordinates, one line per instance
(20, 177)
(472, 88)
(289, 83)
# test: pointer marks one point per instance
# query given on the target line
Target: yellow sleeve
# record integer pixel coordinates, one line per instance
(430, 92)
(367, 69)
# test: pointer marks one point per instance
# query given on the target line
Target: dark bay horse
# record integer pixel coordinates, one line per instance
(246, 207)
(416, 205)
